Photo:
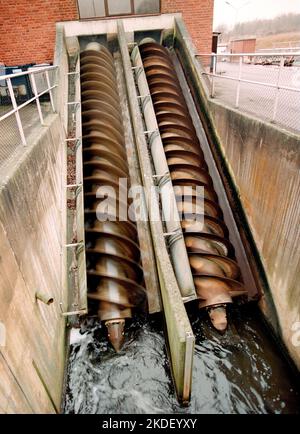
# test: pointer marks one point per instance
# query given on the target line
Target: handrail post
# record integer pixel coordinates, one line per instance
(17, 114)
(37, 99)
(239, 83)
(50, 91)
(16, 109)
(212, 91)
(278, 89)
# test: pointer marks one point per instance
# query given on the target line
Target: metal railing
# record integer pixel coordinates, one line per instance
(242, 68)
(290, 50)
(37, 95)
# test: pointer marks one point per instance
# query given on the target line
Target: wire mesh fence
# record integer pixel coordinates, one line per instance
(26, 100)
(267, 86)
(10, 140)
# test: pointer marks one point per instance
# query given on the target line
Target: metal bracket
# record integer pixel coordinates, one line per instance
(177, 235)
(159, 176)
(76, 73)
(161, 179)
(75, 139)
(76, 105)
(164, 179)
(74, 185)
(77, 187)
(72, 139)
(74, 312)
(81, 243)
(168, 234)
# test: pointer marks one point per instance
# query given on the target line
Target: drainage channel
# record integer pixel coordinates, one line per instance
(240, 370)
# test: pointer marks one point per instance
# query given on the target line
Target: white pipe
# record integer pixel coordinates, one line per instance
(178, 251)
(45, 298)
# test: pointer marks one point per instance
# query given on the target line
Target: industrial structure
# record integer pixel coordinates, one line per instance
(128, 100)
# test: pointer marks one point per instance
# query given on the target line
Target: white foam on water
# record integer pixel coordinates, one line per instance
(76, 336)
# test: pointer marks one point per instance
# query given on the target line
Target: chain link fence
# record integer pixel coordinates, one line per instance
(266, 85)
(26, 100)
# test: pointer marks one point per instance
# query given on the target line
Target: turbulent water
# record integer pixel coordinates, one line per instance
(240, 372)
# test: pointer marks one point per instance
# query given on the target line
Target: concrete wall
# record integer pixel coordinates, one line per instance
(265, 162)
(31, 237)
(32, 258)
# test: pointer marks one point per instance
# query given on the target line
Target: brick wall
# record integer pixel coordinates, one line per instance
(198, 17)
(243, 46)
(27, 27)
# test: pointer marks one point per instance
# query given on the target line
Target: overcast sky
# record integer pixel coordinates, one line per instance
(251, 10)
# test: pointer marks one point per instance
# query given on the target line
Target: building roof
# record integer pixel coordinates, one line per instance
(244, 38)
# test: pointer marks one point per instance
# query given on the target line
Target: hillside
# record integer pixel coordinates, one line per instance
(280, 40)
(283, 26)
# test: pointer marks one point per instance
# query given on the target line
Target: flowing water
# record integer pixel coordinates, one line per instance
(242, 371)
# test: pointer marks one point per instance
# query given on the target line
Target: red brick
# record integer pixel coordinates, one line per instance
(198, 16)
(28, 27)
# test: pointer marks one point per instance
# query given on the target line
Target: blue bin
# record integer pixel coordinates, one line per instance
(16, 82)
